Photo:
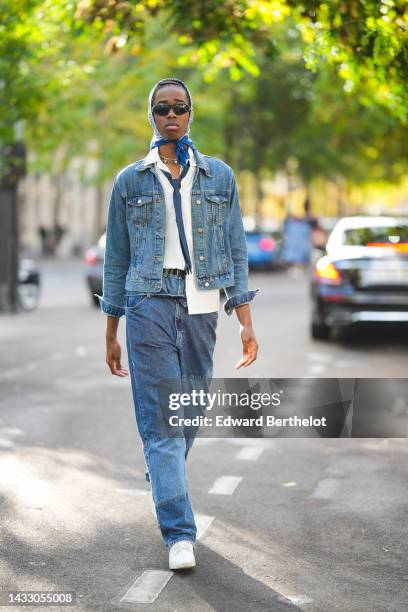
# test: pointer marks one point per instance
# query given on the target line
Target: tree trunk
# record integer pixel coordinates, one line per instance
(57, 230)
(13, 160)
(8, 249)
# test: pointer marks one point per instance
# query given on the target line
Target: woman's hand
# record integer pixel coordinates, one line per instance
(249, 346)
(113, 355)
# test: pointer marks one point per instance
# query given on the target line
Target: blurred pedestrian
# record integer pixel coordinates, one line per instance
(317, 235)
(43, 234)
(174, 238)
(297, 242)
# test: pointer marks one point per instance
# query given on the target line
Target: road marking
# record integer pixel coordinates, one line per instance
(299, 599)
(132, 491)
(42, 563)
(249, 453)
(225, 485)
(326, 488)
(203, 523)
(205, 441)
(262, 442)
(147, 587)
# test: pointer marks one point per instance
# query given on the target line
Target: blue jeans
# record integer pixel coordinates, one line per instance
(163, 341)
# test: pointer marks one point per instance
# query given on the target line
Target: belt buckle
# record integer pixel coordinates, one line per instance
(174, 272)
(169, 272)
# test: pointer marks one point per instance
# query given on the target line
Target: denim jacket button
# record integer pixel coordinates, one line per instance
(201, 257)
(200, 230)
(139, 201)
(198, 201)
(207, 284)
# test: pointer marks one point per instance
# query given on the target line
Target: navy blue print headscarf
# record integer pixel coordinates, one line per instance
(182, 143)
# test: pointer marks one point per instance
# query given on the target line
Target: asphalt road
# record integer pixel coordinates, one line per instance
(309, 524)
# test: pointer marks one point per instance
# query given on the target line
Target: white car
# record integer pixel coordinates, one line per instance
(363, 276)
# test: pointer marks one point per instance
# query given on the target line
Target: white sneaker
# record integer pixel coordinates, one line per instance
(181, 555)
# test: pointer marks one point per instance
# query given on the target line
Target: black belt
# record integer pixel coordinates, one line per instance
(174, 272)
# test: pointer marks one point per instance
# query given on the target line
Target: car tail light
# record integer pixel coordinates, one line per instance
(397, 246)
(90, 257)
(267, 244)
(325, 270)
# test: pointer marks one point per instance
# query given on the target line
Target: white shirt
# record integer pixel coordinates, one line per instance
(199, 301)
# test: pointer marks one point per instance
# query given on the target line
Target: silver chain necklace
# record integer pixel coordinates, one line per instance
(167, 159)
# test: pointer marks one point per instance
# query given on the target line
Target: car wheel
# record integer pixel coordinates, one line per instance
(319, 331)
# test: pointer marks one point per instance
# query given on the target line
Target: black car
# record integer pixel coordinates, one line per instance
(363, 275)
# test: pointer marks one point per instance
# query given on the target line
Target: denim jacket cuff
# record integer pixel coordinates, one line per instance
(237, 300)
(109, 309)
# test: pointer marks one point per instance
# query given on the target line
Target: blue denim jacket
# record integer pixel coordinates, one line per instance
(135, 234)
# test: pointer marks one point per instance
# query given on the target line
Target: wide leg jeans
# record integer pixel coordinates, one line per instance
(165, 342)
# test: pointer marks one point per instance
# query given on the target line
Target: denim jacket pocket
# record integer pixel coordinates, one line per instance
(216, 206)
(217, 261)
(140, 208)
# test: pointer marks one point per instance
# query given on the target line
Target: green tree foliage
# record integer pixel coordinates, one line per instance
(292, 113)
(273, 80)
(365, 40)
(104, 114)
(367, 43)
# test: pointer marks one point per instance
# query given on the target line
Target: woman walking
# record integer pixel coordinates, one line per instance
(174, 238)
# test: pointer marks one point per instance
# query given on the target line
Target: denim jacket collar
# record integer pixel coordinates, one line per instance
(201, 163)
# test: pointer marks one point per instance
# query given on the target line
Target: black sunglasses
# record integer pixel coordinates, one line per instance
(163, 108)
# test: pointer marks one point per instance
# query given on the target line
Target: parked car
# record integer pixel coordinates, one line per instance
(94, 268)
(263, 249)
(363, 275)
